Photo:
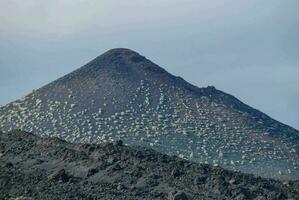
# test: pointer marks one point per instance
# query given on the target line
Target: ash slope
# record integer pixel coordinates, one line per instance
(122, 95)
(42, 168)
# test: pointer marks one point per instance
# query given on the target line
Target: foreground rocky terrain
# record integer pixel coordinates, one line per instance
(49, 168)
(121, 95)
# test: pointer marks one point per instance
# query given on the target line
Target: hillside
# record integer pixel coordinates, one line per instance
(49, 168)
(121, 95)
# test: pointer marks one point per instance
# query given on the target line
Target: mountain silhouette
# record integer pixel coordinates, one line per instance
(121, 95)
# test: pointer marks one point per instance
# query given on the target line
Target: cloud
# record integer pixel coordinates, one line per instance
(65, 17)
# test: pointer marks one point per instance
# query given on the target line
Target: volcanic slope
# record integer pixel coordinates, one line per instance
(123, 95)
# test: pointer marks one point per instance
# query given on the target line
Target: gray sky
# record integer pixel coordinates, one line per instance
(247, 48)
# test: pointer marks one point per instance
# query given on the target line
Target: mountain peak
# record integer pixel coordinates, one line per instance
(121, 54)
(121, 51)
(123, 60)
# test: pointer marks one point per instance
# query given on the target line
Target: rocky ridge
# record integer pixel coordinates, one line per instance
(49, 168)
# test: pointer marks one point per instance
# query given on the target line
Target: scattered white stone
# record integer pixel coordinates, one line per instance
(220, 153)
(279, 172)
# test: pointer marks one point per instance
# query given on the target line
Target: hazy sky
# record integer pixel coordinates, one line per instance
(247, 48)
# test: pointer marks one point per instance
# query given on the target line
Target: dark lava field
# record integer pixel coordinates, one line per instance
(32, 167)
